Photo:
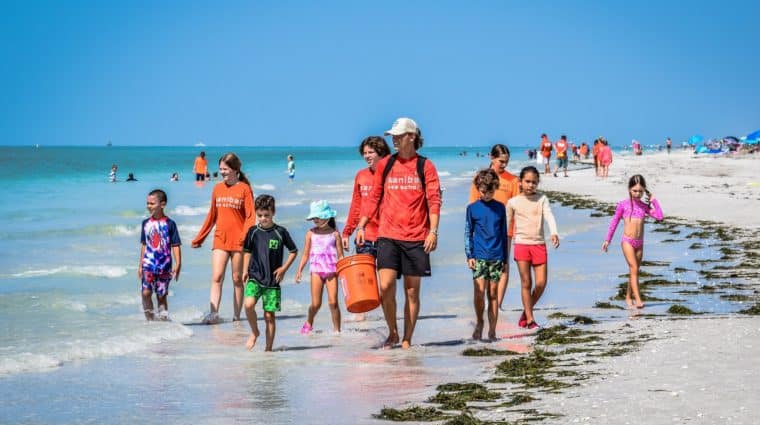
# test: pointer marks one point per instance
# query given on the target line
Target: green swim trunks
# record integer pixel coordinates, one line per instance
(270, 297)
(488, 270)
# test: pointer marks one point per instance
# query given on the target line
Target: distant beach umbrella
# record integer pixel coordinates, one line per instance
(695, 139)
(755, 135)
(731, 139)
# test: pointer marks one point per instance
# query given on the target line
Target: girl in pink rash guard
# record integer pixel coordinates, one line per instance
(633, 211)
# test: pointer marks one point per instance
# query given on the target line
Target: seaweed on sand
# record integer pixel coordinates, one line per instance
(414, 413)
(485, 352)
(456, 396)
(681, 310)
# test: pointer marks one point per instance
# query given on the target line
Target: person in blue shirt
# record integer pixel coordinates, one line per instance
(485, 244)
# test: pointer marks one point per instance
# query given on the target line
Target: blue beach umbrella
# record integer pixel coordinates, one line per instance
(693, 140)
(753, 137)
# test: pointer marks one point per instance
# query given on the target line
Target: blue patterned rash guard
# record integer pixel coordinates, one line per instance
(158, 236)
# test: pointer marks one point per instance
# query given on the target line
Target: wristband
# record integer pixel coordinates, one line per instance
(434, 231)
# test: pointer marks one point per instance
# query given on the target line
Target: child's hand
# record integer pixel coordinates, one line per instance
(278, 274)
(245, 277)
(471, 263)
(298, 276)
(605, 245)
(555, 241)
(175, 272)
(195, 245)
(139, 272)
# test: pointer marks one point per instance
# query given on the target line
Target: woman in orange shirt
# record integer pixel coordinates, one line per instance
(508, 187)
(233, 214)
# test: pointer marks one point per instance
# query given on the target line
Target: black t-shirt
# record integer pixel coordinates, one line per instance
(266, 248)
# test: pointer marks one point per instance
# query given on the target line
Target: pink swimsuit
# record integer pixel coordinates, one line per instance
(633, 208)
(323, 255)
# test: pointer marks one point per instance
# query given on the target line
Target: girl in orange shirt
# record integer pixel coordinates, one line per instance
(233, 214)
(508, 187)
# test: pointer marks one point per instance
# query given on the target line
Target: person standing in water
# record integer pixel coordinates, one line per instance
(406, 192)
(291, 168)
(232, 214)
(508, 188)
(200, 167)
(633, 211)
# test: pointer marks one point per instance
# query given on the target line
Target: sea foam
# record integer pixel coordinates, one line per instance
(92, 271)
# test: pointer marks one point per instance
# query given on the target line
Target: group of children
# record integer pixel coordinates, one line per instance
(489, 223)
(487, 241)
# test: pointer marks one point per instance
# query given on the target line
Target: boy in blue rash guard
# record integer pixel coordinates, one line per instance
(485, 239)
(160, 242)
(263, 253)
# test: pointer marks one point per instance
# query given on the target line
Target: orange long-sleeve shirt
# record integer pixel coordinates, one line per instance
(508, 188)
(404, 209)
(362, 188)
(232, 213)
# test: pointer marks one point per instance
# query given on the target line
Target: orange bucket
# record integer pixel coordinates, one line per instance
(357, 277)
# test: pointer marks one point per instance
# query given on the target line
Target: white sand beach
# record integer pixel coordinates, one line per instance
(695, 187)
(695, 370)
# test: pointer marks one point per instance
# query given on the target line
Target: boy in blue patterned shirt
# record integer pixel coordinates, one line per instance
(485, 235)
(160, 242)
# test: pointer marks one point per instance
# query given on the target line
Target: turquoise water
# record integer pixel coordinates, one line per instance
(73, 330)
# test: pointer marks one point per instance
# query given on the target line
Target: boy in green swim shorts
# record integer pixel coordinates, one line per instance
(263, 252)
(485, 235)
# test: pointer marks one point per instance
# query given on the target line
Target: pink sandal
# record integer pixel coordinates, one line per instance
(306, 328)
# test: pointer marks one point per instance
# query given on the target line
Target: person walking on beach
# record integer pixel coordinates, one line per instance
(561, 147)
(322, 248)
(159, 245)
(407, 195)
(508, 188)
(633, 211)
(372, 149)
(605, 158)
(546, 152)
(668, 144)
(595, 154)
(232, 213)
(486, 248)
(528, 211)
(200, 167)
(263, 252)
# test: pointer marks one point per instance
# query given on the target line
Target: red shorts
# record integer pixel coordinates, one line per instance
(536, 254)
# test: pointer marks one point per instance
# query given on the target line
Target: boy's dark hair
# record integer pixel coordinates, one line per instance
(264, 202)
(158, 193)
(486, 180)
(563, 137)
(377, 143)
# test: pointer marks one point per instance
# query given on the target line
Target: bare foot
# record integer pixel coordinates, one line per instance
(629, 302)
(639, 304)
(406, 345)
(252, 341)
(477, 334)
(390, 341)
(492, 334)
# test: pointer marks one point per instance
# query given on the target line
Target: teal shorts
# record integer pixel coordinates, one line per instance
(270, 297)
(488, 270)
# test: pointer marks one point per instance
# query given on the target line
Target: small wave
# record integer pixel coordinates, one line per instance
(289, 203)
(121, 230)
(300, 192)
(70, 305)
(84, 350)
(189, 211)
(443, 174)
(269, 187)
(93, 271)
(188, 229)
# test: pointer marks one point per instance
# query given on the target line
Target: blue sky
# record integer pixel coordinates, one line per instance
(329, 73)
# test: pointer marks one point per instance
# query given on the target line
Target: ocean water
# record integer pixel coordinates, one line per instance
(73, 333)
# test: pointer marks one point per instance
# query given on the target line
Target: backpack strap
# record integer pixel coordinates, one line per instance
(420, 169)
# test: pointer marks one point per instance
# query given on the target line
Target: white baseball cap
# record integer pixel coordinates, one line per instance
(402, 126)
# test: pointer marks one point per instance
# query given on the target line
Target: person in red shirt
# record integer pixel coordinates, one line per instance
(408, 225)
(561, 147)
(546, 152)
(232, 214)
(372, 149)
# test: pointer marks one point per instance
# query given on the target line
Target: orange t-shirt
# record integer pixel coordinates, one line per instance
(595, 149)
(561, 147)
(405, 209)
(362, 188)
(200, 166)
(546, 148)
(508, 187)
(232, 213)
(584, 150)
